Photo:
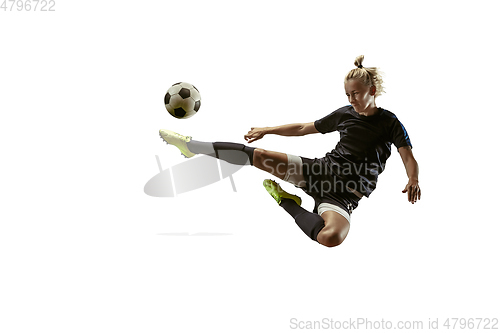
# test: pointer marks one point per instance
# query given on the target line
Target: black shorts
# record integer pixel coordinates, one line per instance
(324, 185)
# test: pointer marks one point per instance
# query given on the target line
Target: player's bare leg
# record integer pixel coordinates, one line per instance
(335, 230)
(271, 161)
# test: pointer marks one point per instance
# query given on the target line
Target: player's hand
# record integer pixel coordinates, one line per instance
(413, 190)
(255, 134)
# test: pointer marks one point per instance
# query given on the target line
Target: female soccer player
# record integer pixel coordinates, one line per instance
(343, 176)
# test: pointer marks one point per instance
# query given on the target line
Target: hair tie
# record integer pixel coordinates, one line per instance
(360, 66)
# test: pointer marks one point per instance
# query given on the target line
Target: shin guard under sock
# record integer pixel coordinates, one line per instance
(310, 223)
(227, 151)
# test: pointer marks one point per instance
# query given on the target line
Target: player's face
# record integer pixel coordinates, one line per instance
(360, 96)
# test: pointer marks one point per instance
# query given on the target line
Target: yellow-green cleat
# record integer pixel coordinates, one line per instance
(177, 140)
(275, 190)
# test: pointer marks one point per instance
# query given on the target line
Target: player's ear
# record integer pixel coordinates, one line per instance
(373, 90)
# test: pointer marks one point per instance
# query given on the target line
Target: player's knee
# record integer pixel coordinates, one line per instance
(330, 238)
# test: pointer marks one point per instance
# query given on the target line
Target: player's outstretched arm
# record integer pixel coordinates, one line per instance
(411, 166)
(257, 133)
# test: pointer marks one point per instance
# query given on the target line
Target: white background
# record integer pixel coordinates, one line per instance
(84, 249)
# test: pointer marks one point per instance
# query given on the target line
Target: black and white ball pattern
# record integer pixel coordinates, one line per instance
(182, 100)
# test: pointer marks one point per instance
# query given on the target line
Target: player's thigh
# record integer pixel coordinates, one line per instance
(275, 163)
(335, 230)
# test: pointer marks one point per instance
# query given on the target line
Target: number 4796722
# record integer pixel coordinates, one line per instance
(28, 5)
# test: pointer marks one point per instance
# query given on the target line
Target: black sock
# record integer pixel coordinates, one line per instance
(234, 153)
(310, 223)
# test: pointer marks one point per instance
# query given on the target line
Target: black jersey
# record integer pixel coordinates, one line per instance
(364, 146)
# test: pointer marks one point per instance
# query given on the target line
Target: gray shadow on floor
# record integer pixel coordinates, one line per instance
(194, 234)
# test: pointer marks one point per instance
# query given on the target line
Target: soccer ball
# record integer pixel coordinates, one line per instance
(182, 100)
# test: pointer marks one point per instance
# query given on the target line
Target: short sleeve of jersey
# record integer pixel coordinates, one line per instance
(399, 136)
(330, 122)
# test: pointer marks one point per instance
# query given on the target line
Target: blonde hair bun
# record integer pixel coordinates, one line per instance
(369, 76)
